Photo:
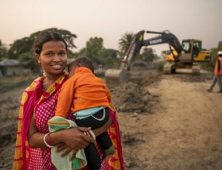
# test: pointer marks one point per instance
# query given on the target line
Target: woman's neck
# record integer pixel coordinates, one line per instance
(49, 80)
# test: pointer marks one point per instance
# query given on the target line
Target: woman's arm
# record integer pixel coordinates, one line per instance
(73, 137)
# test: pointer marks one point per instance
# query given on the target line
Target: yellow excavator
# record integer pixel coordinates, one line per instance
(185, 55)
(190, 57)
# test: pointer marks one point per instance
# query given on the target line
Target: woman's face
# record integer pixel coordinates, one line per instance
(53, 58)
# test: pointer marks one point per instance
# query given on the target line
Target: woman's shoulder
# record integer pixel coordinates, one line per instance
(37, 82)
(30, 90)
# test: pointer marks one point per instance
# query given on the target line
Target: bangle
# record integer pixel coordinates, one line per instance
(92, 134)
(44, 139)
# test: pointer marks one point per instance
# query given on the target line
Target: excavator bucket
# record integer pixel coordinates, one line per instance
(115, 77)
(169, 67)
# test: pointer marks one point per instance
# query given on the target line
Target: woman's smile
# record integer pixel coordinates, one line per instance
(57, 66)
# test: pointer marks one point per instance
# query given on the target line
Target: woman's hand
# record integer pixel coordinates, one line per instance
(66, 150)
(76, 139)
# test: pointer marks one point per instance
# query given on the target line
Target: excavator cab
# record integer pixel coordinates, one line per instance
(196, 48)
(192, 52)
(190, 56)
(199, 54)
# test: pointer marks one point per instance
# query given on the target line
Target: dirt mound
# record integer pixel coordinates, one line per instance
(130, 97)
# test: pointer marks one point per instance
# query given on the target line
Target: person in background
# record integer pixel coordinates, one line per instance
(38, 105)
(217, 73)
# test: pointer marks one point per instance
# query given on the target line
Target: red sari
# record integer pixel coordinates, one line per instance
(41, 106)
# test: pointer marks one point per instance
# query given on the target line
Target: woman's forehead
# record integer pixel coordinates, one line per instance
(54, 45)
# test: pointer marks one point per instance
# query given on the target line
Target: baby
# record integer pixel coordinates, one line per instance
(87, 97)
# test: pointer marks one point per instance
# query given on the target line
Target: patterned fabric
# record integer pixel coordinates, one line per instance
(33, 103)
(116, 161)
(41, 106)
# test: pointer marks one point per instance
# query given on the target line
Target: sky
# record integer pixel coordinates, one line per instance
(110, 19)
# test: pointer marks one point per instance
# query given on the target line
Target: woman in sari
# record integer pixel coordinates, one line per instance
(38, 105)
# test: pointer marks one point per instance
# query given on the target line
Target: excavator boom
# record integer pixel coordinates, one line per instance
(164, 37)
(138, 42)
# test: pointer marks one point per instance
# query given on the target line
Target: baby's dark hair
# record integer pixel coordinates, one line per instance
(44, 37)
(83, 62)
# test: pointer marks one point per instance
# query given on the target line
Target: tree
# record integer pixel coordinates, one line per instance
(82, 52)
(3, 50)
(24, 45)
(20, 46)
(26, 58)
(215, 50)
(108, 57)
(125, 41)
(148, 55)
(93, 47)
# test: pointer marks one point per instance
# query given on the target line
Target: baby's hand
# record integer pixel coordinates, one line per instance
(90, 134)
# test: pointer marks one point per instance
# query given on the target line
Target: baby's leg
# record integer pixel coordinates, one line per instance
(108, 153)
(93, 158)
(106, 145)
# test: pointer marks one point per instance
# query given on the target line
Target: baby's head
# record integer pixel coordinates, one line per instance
(80, 62)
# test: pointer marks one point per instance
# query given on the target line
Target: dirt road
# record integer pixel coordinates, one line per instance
(183, 132)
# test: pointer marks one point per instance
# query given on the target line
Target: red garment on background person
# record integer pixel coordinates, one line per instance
(218, 67)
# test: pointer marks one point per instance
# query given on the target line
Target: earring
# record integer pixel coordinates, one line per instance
(43, 73)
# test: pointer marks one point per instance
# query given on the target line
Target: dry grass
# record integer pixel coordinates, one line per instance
(10, 82)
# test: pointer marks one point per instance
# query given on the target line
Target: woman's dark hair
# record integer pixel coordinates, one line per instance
(84, 62)
(44, 37)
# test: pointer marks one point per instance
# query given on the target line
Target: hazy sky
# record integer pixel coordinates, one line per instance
(110, 19)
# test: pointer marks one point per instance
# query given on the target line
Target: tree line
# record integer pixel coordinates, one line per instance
(21, 49)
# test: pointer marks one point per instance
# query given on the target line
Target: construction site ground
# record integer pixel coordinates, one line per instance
(180, 130)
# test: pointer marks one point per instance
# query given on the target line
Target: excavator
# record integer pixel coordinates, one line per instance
(185, 55)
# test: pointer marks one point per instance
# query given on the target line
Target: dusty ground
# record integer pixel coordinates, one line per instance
(182, 131)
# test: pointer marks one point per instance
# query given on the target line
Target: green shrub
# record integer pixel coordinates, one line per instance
(208, 66)
(160, 66)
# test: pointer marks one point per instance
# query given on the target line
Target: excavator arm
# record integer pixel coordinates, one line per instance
(138, 42)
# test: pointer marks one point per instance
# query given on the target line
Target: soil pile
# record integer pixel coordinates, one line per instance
(130, 97)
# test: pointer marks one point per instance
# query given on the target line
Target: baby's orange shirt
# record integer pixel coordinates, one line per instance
(82, 91)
